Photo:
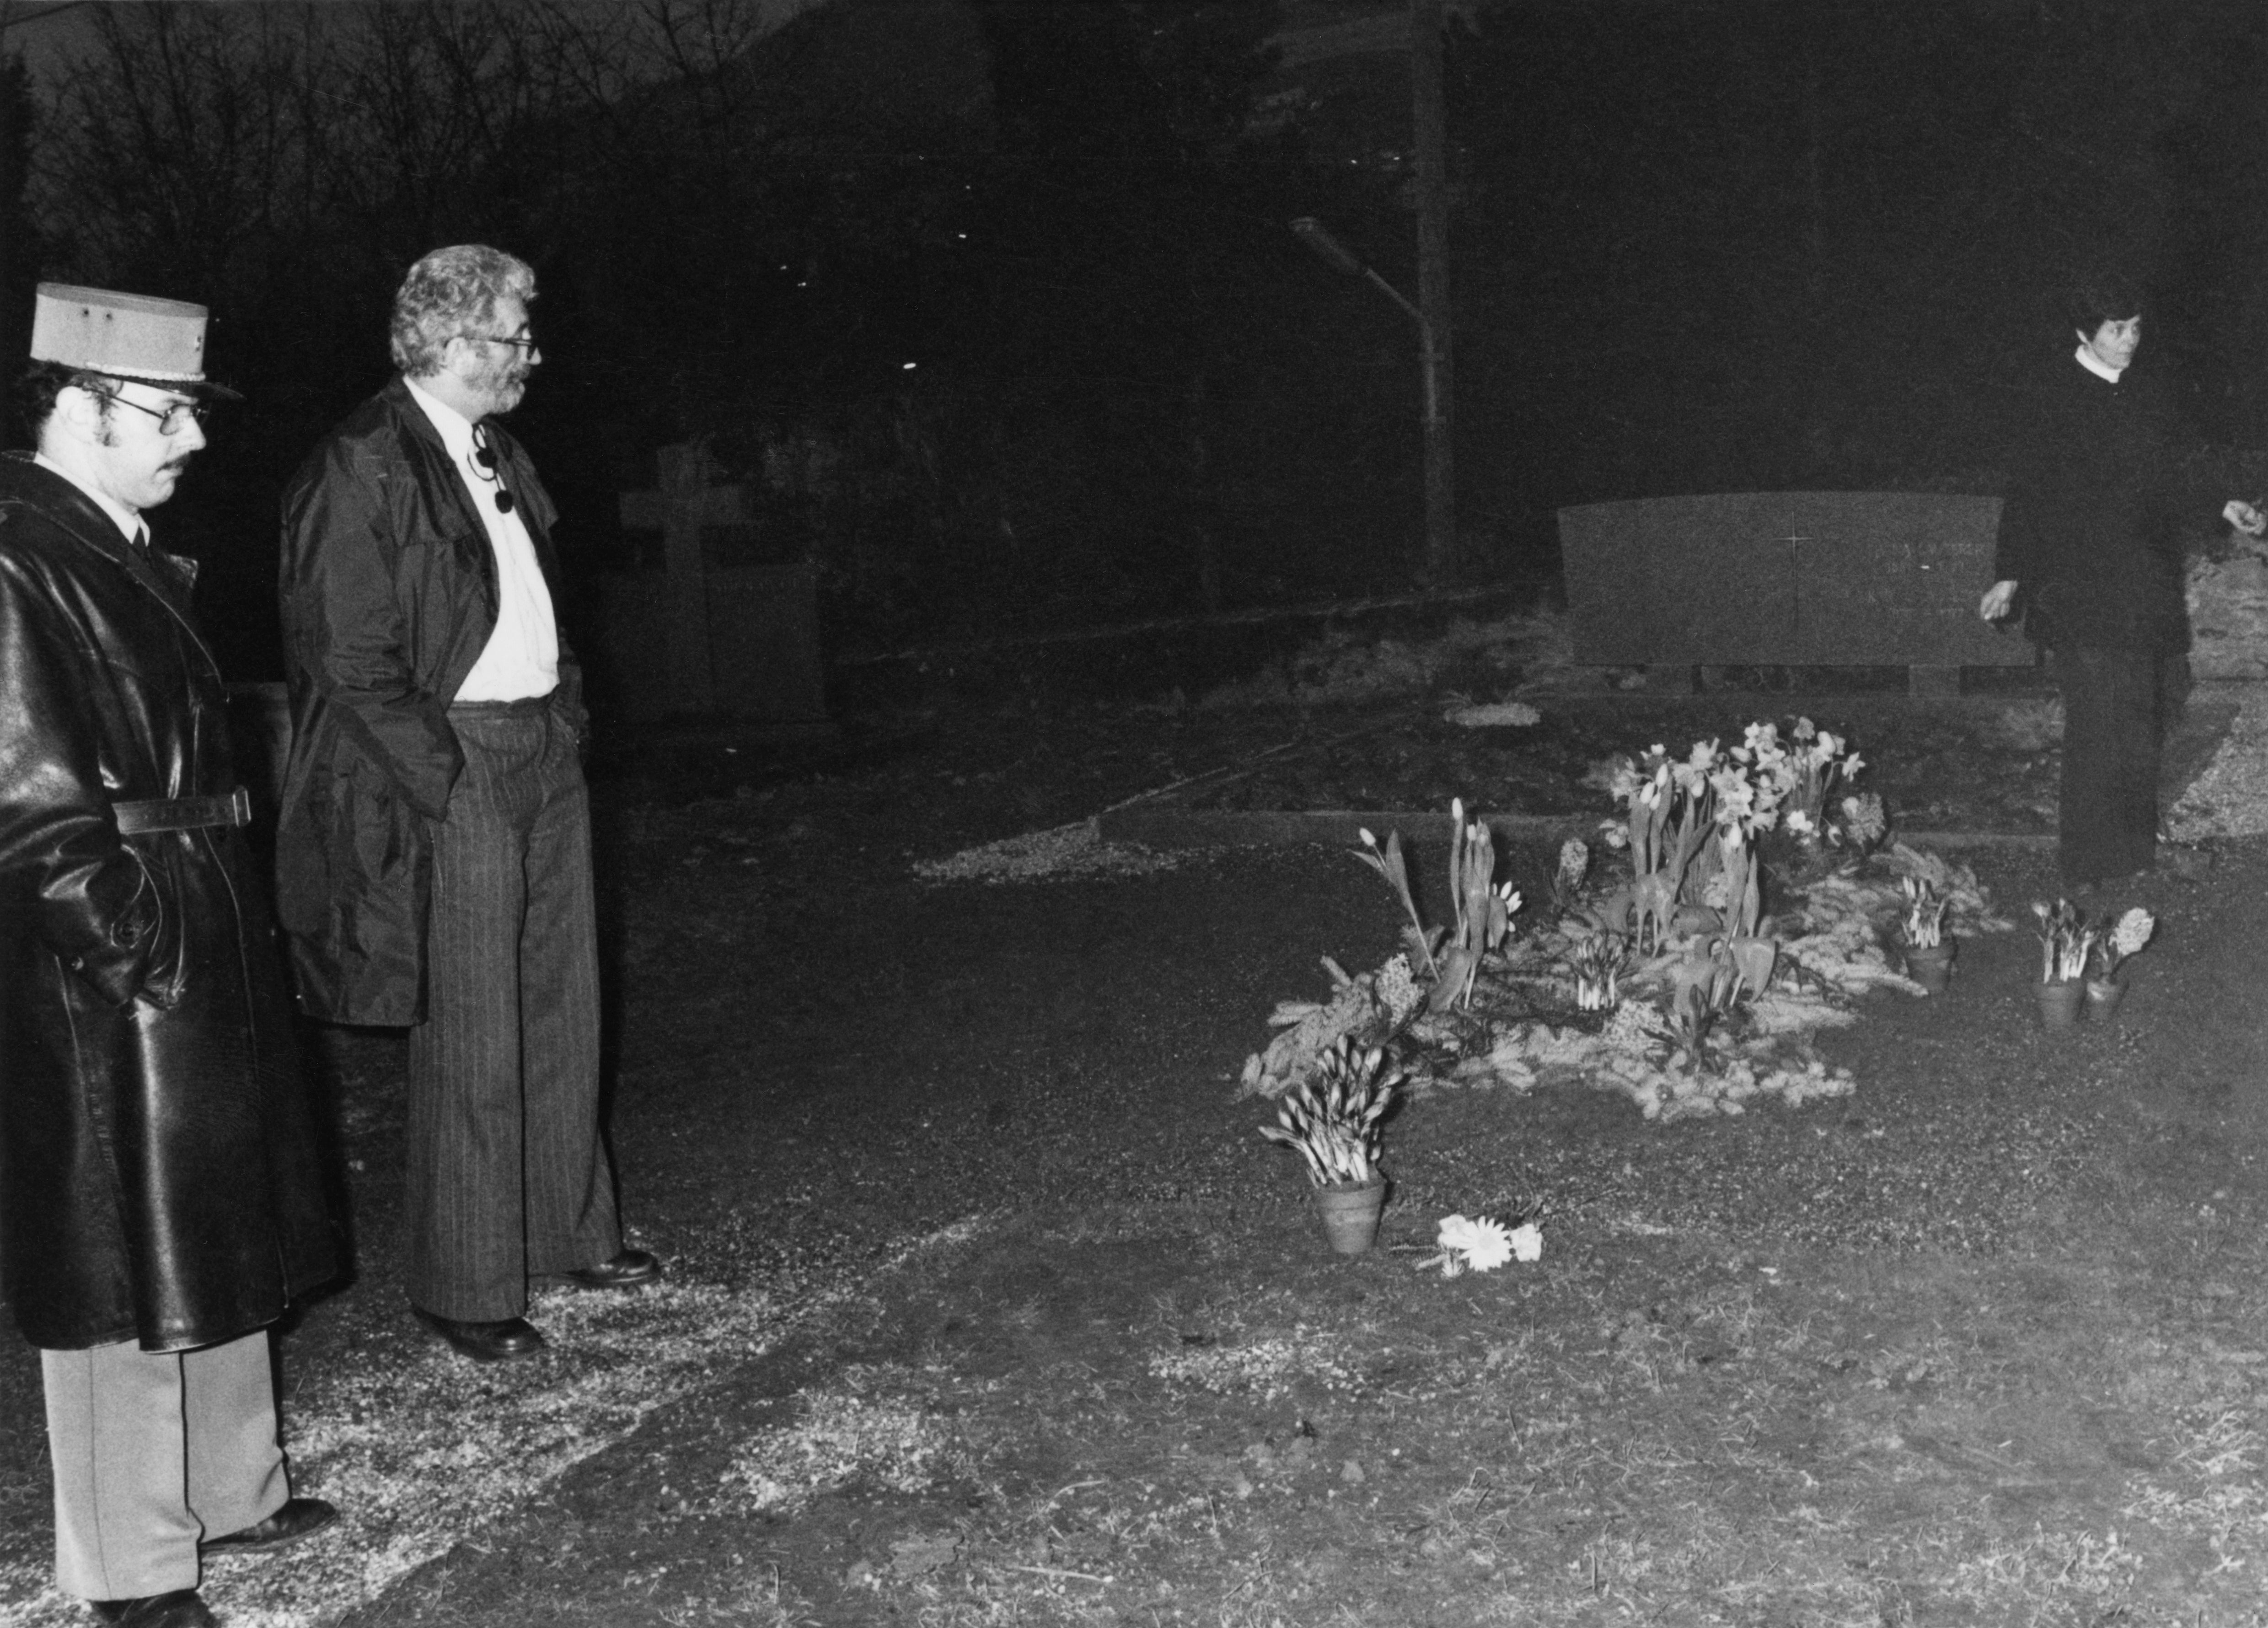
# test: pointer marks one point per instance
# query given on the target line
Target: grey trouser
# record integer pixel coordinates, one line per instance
(153, 1451)
(508, 1178)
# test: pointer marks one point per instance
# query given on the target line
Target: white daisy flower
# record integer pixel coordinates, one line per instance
(1477, 1245)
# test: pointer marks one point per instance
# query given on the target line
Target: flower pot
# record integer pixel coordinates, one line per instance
(1931, 965)
(2102, 998)
(1351, 1214)
(2060, 1003)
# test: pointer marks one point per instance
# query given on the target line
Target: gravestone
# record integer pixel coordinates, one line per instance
(707, 635)
(1787, 579)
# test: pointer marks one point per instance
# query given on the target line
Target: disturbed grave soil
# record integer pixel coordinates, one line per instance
(817, 1057)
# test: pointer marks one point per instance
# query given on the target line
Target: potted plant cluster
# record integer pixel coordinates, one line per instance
(1928, 951)
(1332, 1120)
(2080, 961)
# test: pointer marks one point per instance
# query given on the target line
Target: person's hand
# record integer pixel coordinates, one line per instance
(2245, 516)
(1998, 598)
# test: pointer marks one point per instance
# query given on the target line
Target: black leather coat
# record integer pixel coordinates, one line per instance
(389, 595)
(159, 1174)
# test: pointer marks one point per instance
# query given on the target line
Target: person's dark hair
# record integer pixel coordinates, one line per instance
(450, 292)
(2103, 296)
(42, 382)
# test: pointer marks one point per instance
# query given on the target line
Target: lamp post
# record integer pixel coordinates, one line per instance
(1440, 510)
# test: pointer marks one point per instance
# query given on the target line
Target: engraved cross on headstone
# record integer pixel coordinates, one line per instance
(683, 505)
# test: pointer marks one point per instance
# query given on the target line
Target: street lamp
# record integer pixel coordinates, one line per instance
(1441, 524)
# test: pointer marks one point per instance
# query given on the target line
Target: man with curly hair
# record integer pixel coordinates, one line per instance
(434, 851)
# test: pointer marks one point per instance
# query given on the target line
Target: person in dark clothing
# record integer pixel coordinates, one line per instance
(433, 852)
(2089, 558)
(160, 1193)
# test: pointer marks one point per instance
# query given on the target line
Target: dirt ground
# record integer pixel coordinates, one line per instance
(988, 1306)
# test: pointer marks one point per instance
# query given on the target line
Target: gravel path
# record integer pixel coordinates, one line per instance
(2229, 796)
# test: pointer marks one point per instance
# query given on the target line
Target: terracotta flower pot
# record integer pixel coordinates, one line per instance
(1931, 965)
(2060, 1003)
(1351, 1214)
(2102, 998)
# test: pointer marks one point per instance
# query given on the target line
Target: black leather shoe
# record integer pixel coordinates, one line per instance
(626, 1271)
(485, 1342)
(300, 1517)
(184, 1608)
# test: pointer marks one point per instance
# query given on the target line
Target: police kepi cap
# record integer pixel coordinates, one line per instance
(130, 336)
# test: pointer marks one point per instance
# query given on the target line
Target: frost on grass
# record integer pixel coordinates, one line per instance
(420, 1451)
(1267, 1369)
(417, 1454)
(2211, 1490)
(838, 1438)
(1493, 715)
(1063, 853)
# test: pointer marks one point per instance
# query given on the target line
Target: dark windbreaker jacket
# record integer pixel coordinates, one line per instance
(389, 595)
(159, 1174)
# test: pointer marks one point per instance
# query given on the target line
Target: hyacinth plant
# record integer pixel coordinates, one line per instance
(1573, 870)
(1923, 927)
(2124, 939)
(1332, 1118)
(2066, 941)
(1864, 821)
(1598, 959)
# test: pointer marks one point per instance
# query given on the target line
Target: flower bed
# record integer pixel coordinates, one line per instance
(1659, 973)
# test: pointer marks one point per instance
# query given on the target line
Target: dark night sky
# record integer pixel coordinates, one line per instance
(1695, 246)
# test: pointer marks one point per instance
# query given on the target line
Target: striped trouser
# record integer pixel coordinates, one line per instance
(508, 1178)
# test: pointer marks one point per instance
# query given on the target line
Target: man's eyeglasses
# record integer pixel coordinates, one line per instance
(173, 418)
(521, 342)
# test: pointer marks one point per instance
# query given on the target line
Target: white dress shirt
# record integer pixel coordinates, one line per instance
(522, 658)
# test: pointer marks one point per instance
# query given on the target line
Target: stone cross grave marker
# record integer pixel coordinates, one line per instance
(685, 503)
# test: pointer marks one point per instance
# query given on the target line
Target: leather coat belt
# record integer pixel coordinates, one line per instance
(183, 814)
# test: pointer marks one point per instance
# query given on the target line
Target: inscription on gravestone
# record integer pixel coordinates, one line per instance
(1786, 579)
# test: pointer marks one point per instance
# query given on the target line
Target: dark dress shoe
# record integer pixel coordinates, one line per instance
(626, 1271)
(184, 1608)
(300, 1517)
(485, 1342)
